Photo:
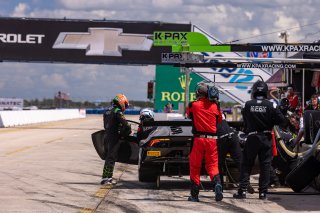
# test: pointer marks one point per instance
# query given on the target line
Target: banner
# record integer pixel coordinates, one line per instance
(170, 86)
(11, 104)
(82, 41)
(198, 42)
(234, 86)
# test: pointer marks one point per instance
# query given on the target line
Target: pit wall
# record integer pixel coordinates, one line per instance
(167, 116)
(24, 117)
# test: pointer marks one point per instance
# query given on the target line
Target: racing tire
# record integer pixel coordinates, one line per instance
(316, 183)
(147, 174)
(304, 174)
(311, 124)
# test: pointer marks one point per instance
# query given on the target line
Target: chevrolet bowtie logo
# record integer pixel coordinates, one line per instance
(103, 41)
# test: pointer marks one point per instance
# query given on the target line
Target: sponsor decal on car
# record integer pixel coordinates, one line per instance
(153, 153)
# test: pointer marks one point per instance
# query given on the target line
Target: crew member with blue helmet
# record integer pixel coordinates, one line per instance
(205, 115)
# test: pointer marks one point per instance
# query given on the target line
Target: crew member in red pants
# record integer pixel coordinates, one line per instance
(205, 114)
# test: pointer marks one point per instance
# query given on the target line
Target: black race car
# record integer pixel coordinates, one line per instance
(165, 151)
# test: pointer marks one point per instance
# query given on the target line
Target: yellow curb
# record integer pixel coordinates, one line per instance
(19, 150)
(86, 210)
(103, 191)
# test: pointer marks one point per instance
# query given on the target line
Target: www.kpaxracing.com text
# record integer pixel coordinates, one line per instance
(290, 48)
(275, 66)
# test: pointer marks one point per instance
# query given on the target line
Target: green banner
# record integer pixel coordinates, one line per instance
(179, 38)
(170, 86)
(197, 42)
(187, 42)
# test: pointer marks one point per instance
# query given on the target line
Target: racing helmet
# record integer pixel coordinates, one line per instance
(121, 101)
(202, 90)
(146, 114)
(213, 93)
(284, 103)
(260, 88)
(284, 106)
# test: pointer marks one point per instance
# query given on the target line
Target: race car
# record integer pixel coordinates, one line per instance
(165, 152)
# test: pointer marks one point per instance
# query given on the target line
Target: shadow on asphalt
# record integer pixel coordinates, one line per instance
(293, 203)
(178, 185)
(296, 202)
(164, 185)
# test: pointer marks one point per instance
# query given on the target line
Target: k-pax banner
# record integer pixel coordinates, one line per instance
(171, 84)
(82, 41)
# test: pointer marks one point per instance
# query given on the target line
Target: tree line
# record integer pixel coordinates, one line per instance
(48, 103)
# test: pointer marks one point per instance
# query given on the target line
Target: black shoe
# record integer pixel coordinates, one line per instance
(275, 185)
(108, 181)
(240, 195)
(218, 192)
(250, 189)
(193, 199)
(194, 192)
(262, 196)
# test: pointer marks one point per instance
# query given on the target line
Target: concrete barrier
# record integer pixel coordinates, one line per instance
(167, 116)
(102, 110)
(23, 117)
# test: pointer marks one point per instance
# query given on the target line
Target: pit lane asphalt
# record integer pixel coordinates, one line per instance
(53, 167)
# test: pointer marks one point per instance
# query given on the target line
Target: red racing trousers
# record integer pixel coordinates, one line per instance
(203, 148)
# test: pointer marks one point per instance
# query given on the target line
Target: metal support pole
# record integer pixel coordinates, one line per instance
(287, 80)
(186, 92)
(303, 85)
(286, 56)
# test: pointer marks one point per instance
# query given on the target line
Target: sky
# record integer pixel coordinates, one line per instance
(234, 21)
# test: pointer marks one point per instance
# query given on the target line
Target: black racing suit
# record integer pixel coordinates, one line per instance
(259, 118)
(116, 127)
(228, 142)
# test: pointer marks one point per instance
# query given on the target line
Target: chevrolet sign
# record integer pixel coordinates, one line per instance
(21, 39)
(103, 41)
(83, 41)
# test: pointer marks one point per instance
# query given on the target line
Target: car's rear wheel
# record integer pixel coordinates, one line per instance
(148, 173)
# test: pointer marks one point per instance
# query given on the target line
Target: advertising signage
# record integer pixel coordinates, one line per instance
(170, 86)
(11, 103)
(82, 41)
(198, 42)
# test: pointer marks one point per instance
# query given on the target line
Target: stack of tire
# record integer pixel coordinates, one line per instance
(307, 171)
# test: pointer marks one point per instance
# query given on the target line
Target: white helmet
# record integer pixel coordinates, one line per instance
(146, 114)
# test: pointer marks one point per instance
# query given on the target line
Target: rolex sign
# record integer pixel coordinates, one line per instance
(171, 84)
